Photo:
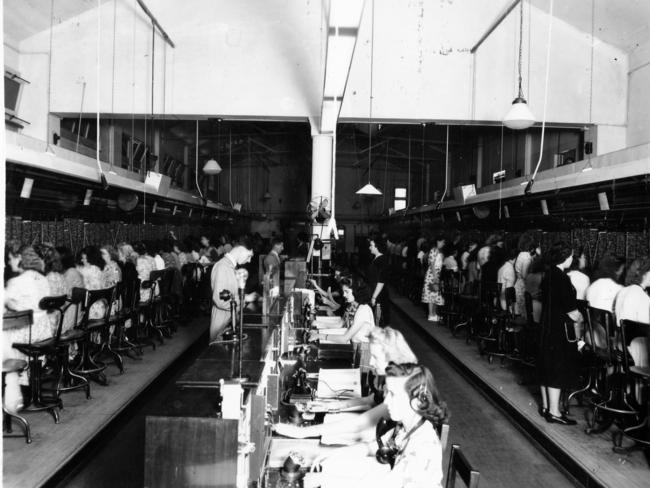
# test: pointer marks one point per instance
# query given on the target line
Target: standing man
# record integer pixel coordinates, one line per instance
(272, 260)
(378, 279)
(224, 277)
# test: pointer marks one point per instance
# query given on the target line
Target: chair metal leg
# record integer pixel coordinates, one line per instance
(6, 420)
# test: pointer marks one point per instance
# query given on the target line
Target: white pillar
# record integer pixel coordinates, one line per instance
(321, 167)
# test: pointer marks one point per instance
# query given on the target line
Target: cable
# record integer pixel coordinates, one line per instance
(444, 194)
(99, 166)
(196, 160)
(529, 186)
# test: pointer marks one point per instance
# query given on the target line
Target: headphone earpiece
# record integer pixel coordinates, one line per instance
(420, 398)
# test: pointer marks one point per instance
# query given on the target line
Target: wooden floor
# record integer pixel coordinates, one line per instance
(593, 453)
(32, 465)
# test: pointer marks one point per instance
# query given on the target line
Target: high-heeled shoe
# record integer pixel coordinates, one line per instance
(543, 412)
(562, 420)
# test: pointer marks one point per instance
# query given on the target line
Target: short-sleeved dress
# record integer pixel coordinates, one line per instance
(379, 272)
(432, 277)
(558, 362)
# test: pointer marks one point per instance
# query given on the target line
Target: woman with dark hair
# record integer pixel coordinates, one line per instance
(527, 246)
(431, 290)
(357, 296)
(53, 272)
(577, 274)
(90, 265)
(533, 286)
(73, 279)
(633, 303)
(111, 274)
(603, 290)
(144, 265)
(378, 274)
(558, 361)
(413, 402)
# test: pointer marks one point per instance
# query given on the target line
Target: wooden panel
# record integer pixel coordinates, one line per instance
(258, 436)
(190, 452)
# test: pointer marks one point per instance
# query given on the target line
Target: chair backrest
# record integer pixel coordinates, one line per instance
(17, 320)
(149, 285)
(87, 298)
(630, 330)
(490, 294)
(443, 435)
(52, 305)
(598, 319)
(460, 466)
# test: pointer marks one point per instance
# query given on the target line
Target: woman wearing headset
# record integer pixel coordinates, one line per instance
(412, 448)
(386, 345)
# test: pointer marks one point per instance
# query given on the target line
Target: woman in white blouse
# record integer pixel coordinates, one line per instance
(414, 403)
(578, 276)
(633, 303)
(355, 292)
(602, 292)
(528, 248)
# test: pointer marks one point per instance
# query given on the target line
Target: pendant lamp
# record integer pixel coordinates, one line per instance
(519, 116)
(370, 189)
(211, 167)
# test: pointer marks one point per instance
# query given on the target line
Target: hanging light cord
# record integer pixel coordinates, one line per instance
(196, 160)
(49, 78)
(591, 70)
(230, 166)
(102, 177)
(529, 186)
(408, 186)
(444, 194)
(521, 41)
(372, 48)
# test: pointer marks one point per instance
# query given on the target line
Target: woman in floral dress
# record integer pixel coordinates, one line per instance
(431, 290)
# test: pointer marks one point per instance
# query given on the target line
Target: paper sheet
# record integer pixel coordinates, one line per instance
(307, 449)
(328, 322)
(339, 383)
(332, 332)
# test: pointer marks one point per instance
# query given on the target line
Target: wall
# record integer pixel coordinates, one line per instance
(569, 73)
(263, 59)
(638, 128)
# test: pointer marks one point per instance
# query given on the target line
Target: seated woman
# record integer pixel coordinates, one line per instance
(602, 292)
(90, 265)
(578, 274)
(413, 402)
(386, 345)
(633, 303)
(357, 295)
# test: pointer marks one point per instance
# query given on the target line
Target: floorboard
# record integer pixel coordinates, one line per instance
(81, 420)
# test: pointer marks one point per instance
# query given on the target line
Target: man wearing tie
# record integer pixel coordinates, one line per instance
(224, 277)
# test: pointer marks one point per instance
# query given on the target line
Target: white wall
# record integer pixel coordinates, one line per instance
(569, 74)
(262, 58)
(638, 128)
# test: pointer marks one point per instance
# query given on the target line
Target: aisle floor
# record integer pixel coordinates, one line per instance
(82, 420)
(504, 456)
(592, 454)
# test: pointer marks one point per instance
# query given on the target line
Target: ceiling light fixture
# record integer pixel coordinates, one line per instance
(519, 116)
(369, 189)
(211, 167)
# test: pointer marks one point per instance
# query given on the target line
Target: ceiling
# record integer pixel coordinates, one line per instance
(622, 23)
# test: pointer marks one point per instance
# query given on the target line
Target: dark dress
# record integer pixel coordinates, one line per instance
(378, 272)
(558, 361)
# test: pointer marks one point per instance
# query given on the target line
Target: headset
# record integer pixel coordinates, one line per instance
(421, 400)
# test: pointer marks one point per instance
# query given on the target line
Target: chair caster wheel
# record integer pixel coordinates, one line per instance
(490, 359)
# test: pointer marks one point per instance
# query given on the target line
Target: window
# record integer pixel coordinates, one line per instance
(400, 198)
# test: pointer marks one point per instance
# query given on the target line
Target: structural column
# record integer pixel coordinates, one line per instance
(322, 163)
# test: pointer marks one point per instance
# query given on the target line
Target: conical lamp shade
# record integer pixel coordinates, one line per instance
(519, 116)
(212, 167)
(368, 190)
